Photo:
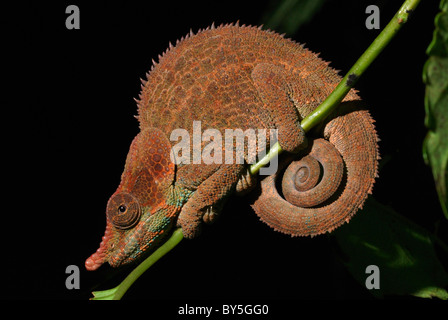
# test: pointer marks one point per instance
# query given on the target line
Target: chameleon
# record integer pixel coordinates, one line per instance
(244, 77)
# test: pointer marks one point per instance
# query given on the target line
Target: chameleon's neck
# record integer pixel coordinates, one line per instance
(179, 196)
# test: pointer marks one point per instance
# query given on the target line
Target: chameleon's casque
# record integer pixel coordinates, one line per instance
(238, 77)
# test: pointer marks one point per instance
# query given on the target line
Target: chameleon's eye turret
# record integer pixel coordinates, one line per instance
(123, 211)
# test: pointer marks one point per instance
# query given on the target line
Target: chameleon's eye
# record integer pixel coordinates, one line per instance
(123, 211)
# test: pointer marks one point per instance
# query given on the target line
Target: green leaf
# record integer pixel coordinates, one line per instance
(403, 251)
(435, 76)
(289, 15)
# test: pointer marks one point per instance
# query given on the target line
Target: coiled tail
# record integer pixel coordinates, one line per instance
(326, 187)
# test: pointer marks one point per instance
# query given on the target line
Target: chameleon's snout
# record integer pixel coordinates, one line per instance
(99, 257)
(93, 263)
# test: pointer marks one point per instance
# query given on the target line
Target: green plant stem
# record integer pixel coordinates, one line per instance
(350, 79)
(118, 292)
(332, 101)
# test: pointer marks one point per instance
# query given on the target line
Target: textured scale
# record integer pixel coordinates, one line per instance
(234, 77)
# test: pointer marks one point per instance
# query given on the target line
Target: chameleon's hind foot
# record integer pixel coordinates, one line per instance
(270, 81)
(246, 183)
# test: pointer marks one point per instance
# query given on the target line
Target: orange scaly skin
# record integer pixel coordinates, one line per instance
(234, 77)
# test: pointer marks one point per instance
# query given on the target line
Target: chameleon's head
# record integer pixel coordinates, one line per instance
(139, 214)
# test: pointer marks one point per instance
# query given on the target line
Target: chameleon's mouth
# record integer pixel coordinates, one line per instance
(99, 257)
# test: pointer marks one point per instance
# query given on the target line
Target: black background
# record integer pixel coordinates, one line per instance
(69, 120)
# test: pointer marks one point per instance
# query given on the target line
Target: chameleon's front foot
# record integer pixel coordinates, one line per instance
(189, 223)
(190, 219)
(208, 199)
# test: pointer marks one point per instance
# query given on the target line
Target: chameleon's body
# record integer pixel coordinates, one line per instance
(235, 77)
